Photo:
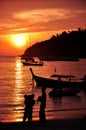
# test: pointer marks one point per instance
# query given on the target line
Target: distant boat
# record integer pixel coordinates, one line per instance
(32, 62)
(55, 83)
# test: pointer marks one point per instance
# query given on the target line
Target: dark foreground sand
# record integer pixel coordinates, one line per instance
(63, 124)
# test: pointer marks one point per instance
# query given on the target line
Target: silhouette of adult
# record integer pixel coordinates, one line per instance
(42, 100)
(29, 103)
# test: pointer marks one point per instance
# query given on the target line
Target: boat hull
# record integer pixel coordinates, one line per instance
(32, 64)
(46, 82)
(40, 82)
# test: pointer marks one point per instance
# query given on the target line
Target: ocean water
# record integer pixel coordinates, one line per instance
(16, 80)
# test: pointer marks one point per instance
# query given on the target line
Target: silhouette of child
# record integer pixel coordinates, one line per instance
(29, 103)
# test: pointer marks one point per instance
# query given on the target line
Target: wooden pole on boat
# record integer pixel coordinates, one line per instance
(32, 75)
(55, 70)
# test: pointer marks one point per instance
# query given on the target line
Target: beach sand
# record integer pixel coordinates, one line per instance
(62, 124)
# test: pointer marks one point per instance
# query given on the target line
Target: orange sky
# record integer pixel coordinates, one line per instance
(37, 20)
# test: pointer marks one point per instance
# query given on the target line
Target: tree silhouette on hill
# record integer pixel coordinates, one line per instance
(64, 45)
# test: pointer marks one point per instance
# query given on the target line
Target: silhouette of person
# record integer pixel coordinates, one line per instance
(29, 103)
(42, 100)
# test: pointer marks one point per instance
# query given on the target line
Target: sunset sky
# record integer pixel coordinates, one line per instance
(25, 22)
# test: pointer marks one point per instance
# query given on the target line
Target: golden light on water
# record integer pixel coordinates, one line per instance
(18, 95)
(18, 74)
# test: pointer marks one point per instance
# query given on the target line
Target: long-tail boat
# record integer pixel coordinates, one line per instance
(56, 83)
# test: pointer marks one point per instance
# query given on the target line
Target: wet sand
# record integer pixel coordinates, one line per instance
(62, 124)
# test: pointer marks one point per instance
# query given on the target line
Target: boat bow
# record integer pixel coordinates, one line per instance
(32, 73)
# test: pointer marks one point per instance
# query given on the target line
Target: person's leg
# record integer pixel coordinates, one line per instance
(25, 116)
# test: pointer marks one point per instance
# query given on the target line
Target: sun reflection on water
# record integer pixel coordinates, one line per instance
(18, 73)
(18, 87)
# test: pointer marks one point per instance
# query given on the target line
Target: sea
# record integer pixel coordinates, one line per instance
(16, 81)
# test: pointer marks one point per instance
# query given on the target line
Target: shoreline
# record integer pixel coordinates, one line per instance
(61, 124)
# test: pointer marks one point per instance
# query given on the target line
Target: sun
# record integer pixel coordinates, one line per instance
(19, 40)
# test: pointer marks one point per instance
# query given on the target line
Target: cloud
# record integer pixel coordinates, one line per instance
(49, 16)
(30, 20)
(41, 13)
